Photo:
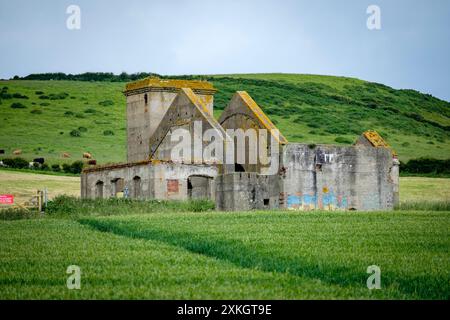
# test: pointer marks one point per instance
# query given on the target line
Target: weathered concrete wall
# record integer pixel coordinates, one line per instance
(189, 113)
(246, 119)
(242, 191)
(149, 181)
(322, 177)
(143, 118)
(107, 176)
(335, 177)
(171, 180)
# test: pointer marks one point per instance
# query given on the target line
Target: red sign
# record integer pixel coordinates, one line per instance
(172, 186)
(6, 199)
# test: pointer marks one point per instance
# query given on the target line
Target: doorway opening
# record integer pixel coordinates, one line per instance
(99, 190)
(199, 187)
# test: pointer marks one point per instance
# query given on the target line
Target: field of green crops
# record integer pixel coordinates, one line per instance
(209, 255)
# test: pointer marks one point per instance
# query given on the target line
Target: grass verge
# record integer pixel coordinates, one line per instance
(66, 206)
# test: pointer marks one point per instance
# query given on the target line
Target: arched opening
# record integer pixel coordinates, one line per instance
(199, 187)
(118, 185)
(145, 99)
(239, 167)
(99, 190)
(136, 187)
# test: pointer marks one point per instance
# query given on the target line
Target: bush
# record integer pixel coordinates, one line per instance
(69, 113)
(90, 110)
(39, 92)
(75, 133)
(4, 95)
(56, 167)
(102, 122)
(108, 133)
(17, 105)
(82, 129)
(66, 167)
(106, 103)
(343, 140)
(36, 111)
(76, 167)
(406, 144)
(426, 165)
(53, 96)
(44, 104)
(313, 125)
(19, 96)
(17, 163)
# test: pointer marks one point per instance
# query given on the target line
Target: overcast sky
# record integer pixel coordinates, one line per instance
(411, 50)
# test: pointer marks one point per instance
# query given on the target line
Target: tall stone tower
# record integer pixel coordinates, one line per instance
(147, 102)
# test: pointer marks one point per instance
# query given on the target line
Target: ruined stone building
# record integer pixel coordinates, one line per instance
(359, 177)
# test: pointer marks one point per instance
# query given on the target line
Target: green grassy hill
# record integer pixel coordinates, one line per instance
(39, 116)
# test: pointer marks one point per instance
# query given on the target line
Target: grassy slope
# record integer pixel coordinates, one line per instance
(306, 108)
(47, 134)
(317, 109)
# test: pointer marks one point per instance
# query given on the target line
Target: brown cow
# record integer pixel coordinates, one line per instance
(87, 155)
(66, 155)
(17, 152)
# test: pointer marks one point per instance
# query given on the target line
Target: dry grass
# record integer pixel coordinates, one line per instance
(24, 185)
(417, 189)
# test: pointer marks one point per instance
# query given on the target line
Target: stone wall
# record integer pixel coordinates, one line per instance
(150, 181)
(145, 110)
(189, 113)
(241, 191)
(337, 177)
(322, 177)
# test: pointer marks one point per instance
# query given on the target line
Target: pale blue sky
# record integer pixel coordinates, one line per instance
(411, 50)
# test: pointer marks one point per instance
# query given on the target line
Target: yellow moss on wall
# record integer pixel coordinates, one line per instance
(169, 83)
(377, 141)
(262, 117)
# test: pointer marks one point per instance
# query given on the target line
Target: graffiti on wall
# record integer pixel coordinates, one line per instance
(326, 200)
